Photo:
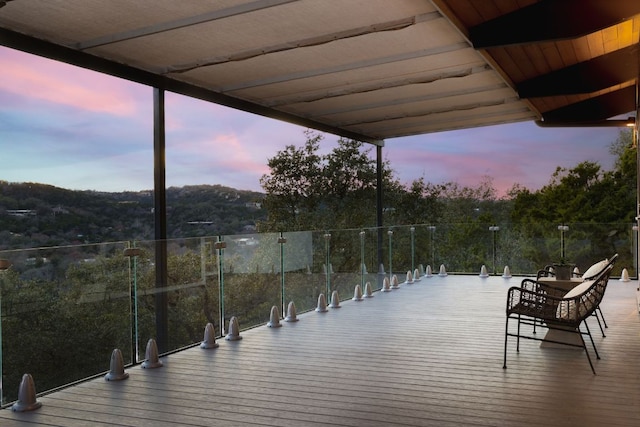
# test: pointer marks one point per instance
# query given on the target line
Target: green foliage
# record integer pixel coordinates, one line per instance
(308, 191)
(75, 302)
(61, 217)
(584, 193)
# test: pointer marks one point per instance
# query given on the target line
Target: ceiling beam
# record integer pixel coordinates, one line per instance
(601, 107)
(596, 74)
(550, 20)
(71, 56)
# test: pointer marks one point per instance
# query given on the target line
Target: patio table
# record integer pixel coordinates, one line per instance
(558, 334)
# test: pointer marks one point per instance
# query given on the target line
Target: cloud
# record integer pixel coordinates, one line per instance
(55, 82)
(520, 153)
(79, 129)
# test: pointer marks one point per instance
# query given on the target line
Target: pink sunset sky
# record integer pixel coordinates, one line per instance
(81, 130)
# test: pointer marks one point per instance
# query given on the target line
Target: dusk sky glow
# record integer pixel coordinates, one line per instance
(77, 129)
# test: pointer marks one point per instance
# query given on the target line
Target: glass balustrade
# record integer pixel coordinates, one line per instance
(64, 309)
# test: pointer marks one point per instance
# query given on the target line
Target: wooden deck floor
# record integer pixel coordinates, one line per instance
(427, 354)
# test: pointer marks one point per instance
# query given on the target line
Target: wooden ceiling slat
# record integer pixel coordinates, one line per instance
(550, 20)
(552, 56)
(510, 68)
(610, 38)
(488, 10)
(522, 61)
(538, 60)
(595, 42)
(624, 33)
(567, 52)
(581, 48)
(597, 108)
(597, 74)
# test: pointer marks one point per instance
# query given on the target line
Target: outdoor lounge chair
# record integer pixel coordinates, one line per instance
(590, 274)
(534, 302)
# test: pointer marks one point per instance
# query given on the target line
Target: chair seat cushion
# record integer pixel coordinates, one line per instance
(567, 308)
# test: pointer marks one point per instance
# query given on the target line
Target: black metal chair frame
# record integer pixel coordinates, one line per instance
(535, 303)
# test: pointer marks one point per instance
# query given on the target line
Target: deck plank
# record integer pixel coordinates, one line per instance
(427, 354)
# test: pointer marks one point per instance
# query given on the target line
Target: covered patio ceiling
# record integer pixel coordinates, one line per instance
(364, 69)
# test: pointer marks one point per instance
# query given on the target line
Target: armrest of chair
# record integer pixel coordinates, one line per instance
(535, 286)
(547, 271)
(532, 303)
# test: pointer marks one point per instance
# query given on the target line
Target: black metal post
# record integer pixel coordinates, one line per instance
(160, 220)
(379, 202)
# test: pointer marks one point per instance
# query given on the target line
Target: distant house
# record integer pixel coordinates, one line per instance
(59, 210)
(246, 241)
(21, 212)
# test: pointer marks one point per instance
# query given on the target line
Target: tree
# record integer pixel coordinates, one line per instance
(584, 193)
(306, 191)
(292, 188)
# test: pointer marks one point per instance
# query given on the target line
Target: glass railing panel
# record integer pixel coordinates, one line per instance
(189, 294)
(423, 247)
(322, 267)
(252, 280)
(345, 257)
(304, 278)
(63, 311)
(587, 243)
(371, 269)
(399, 243)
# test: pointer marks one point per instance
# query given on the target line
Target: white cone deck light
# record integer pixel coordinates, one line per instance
(428, 272)
(409, 278)
(209, 340)
(394, 282)
(335, 300)
(234, 330)
(416, 275)
(291, 313)
(576, 271)
(443, 272)
(483, 271)
(386, 287)
(116, 371)
(507, 272)
(151, 356)
(274, 318)
(322, 304)
(26, 396)
(624, 277)
(357, 293)
(367, 290)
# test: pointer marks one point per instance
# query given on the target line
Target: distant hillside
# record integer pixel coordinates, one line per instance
(33, 215)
